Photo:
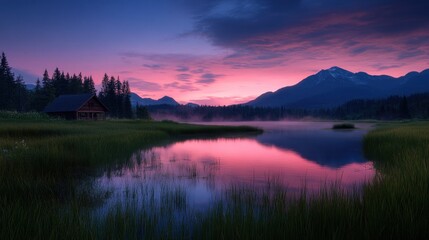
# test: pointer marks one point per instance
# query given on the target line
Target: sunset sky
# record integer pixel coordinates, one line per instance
(213, 51)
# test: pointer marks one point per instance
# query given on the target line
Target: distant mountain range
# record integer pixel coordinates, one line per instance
(335, 86)
(137, 100)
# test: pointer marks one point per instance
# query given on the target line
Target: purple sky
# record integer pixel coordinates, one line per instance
(213, 51)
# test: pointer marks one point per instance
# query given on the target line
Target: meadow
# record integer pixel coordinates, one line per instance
(47, 167)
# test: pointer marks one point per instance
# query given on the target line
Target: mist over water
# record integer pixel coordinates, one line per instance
(292, 154)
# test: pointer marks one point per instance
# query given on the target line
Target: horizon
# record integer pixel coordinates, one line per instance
(203, 52)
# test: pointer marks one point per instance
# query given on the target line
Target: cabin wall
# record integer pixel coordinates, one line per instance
(79, 115)
(92, 106)
(87, 115)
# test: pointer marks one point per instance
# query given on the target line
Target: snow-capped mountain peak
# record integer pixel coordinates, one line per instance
(339, 72)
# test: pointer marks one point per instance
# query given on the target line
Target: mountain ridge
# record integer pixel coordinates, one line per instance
(137, 100)
(335, 86)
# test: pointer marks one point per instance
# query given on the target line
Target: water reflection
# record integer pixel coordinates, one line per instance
(326, 148)
(294, 155)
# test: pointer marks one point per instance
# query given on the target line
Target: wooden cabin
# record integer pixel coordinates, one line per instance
(77, 107)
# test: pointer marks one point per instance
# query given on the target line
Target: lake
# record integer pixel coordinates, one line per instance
(294, 155)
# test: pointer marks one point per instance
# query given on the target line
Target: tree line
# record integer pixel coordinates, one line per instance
(392, 108)
(14, 96)
(415, 106)
(58, 84)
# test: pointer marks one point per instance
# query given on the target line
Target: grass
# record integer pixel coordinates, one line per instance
(32, 116)
(43, 164)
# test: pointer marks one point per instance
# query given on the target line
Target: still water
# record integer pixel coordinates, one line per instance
(295, 155)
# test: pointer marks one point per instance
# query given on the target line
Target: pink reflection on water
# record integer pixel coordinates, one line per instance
(294, 155)
(226, 162)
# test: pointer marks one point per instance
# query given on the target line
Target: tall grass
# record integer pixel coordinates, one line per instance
(32, 116)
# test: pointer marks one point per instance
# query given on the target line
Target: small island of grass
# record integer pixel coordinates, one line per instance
(340, 126)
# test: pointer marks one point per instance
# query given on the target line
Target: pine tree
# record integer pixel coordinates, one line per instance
(20, 95)
(91, 86)
(7, 83)
(111, 97)
(104, 91)
(127, 108)
(38, 87)
(38, 99)
(48, 90)
(119, 99)
(13, 94)
(75, 84)
(88, 85)
(62, 87)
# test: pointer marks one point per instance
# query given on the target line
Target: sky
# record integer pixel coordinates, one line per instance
(213, 52)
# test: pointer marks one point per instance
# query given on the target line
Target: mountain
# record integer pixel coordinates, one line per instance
(136, 99)
(193, 105)
(335, 86)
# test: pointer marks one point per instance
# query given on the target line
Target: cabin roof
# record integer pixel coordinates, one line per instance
(70, 103)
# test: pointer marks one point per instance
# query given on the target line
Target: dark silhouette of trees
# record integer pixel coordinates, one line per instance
(75, 84)
(88, 85)
(127, 107)
(116, 96)
(38, 99)
(142, 113)
(59, 84)
(20, 95)
(48, 89)
(392, 108)
(13, 93)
